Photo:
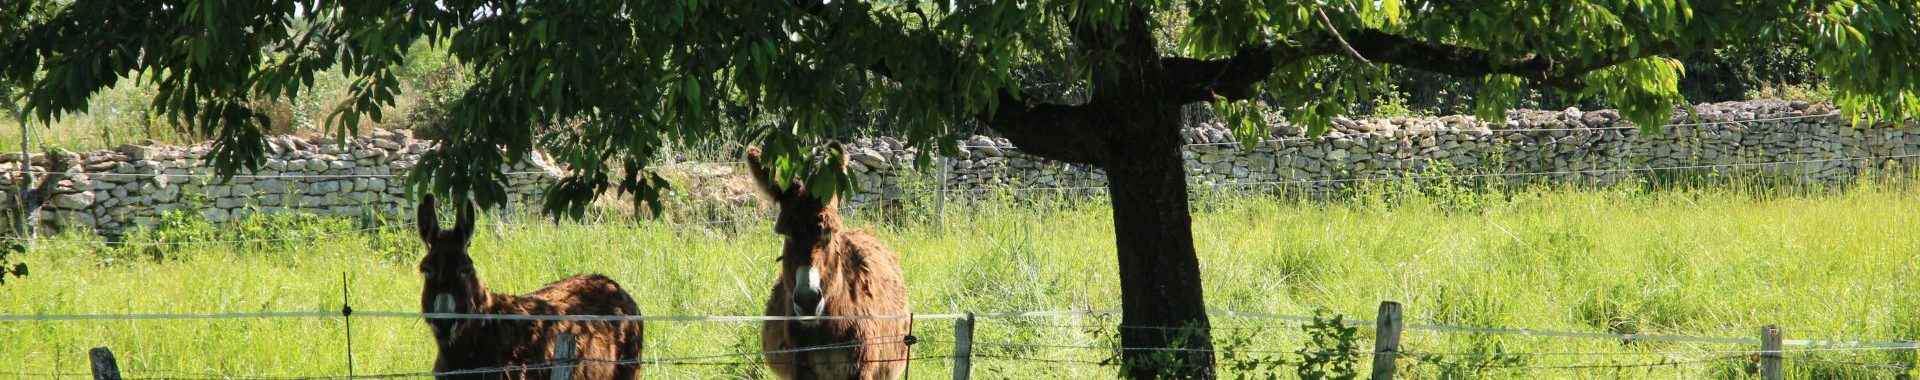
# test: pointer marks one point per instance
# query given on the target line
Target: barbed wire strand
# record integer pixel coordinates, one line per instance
(978, 344)
(901, 339)
(197, 242)
(1896, 368)
(210, 176)
(1818, 345)
(1492, 365)
(1271, 326)
(1040, 360)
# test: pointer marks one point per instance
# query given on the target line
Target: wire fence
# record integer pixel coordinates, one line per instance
(247, 176)
(1095, 352)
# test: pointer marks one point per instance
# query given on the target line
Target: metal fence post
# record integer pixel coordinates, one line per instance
(346, 318)
(563, 361)
(963, 347)
(104, 367)
(1770, 353)
(1386, 340)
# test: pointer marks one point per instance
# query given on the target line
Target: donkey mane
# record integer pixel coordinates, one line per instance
(483, 344)
(855, 276)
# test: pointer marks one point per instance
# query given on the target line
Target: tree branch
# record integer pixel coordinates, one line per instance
(1233, 77)
(1355, 54)
(1067, 133)
(1060, 132)
(1560, 72)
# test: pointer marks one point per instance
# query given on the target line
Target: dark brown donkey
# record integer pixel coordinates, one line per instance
(472, 344)
(828, 270)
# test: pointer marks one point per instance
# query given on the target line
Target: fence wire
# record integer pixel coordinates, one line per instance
(990, 349)
(1814, 345)
(1582, 366)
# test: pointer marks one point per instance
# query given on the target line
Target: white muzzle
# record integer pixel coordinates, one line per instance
(808, 301)
(443, 303)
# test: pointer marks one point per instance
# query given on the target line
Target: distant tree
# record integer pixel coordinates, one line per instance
(625, 78)
(16, 17)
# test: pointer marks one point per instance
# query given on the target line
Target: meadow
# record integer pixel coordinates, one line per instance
(1717, 261)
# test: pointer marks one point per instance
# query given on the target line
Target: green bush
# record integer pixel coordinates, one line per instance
(1332, 350)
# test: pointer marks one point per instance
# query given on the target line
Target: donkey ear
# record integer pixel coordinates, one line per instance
(841, 150)
(425, 220)
(762, 175)
(463, 221)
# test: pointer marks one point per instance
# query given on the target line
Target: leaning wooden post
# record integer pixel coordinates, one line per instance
(104, 367)
(1386, 340)
(563, 361)
(26, 169)
(963, 347)
(1770, 353)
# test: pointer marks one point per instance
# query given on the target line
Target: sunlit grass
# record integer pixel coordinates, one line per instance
(1823, 264)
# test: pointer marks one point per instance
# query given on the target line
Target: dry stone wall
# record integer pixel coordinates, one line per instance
(112, 190)
(1800, 141)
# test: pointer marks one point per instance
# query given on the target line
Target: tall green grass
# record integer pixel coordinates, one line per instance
(1704, 261)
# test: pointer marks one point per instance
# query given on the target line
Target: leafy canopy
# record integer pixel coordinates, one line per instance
(604, 85)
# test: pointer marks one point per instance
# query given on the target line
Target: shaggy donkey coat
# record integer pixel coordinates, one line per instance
(828, 270)
(451, 287)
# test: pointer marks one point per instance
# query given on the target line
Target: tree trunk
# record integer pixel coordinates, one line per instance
(1160, 289)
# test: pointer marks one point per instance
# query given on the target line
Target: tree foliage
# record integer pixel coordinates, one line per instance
(626, 77)
(611, 83)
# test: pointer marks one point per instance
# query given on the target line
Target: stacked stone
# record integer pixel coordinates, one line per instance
(876, 165)
(1797, 141)
(110, 191)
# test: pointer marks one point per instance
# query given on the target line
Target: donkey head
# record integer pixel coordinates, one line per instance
(808, 223)
(451, 286)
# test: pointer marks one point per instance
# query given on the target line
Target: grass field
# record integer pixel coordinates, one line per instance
(1705, 262)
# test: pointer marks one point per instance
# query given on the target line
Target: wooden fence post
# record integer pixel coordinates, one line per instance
(1386, 340)
(963, 347)
(1770, 353)
(563, 361)
(104, 367)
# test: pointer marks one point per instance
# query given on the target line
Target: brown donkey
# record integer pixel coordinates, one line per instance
(828, 270)
(476, 344)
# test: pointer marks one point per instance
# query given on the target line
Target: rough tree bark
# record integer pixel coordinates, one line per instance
(1159, 269)
(1131, 129)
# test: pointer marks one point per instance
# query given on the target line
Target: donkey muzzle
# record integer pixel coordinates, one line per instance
(443, 303)
(808, 300)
